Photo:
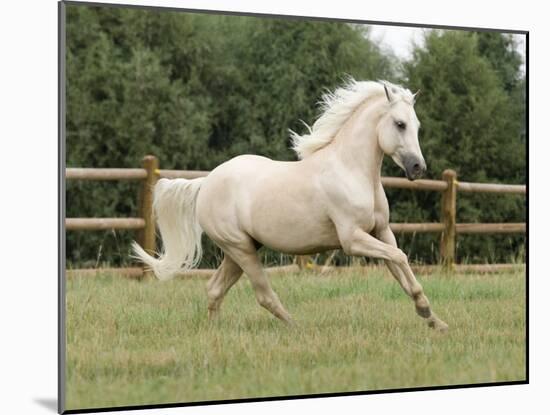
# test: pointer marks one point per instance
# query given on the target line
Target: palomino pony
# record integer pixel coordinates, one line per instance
(331, 198)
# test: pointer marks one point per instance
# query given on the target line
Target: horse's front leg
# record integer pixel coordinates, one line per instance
(360, 243)
(387, 236)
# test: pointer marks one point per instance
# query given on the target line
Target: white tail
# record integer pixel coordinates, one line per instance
(174, 205)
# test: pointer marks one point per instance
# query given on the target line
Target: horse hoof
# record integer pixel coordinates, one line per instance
(213, 315)
(290, 323)
(438, 325)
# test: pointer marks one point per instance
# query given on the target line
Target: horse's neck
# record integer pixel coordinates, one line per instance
(356, 144)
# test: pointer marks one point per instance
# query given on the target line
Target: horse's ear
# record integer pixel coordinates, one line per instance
(387, 92)
(415, 96)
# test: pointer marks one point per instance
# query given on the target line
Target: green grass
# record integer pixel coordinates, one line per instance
(148, 342)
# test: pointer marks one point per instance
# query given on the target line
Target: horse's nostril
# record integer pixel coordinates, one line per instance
(416, 167)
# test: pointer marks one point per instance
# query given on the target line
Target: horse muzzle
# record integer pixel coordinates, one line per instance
(414, 166)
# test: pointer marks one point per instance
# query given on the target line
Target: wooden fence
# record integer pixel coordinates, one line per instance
(449, 187)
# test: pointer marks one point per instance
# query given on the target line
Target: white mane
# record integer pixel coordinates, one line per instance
(337, 107)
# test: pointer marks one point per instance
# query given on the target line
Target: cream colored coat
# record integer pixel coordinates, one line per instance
(332, 198)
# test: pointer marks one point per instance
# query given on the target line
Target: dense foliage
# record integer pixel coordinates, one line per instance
(472, 114)
(196, 90)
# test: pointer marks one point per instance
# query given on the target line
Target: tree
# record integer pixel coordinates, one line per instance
(469, 123)
(195, 90)
(500, 50)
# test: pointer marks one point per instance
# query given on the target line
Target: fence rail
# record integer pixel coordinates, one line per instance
(96, 224)
(491, 188)
(401, 183)
(105, 174)
(108, 174)
(417, 227)
(449, 187)
(478, 228)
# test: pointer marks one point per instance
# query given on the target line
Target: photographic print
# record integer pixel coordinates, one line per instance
(259, 207)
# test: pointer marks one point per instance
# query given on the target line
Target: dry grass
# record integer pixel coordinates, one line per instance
(132, 343)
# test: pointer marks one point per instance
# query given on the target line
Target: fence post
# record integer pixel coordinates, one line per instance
(147, 234)
(448, 218)
(302, 261)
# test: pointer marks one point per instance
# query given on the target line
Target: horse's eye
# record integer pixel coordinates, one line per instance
(401, 125)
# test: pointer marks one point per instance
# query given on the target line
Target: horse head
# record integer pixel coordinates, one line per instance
(398, 131)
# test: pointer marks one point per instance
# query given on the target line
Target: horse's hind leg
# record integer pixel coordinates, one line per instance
(227, 274)
(247, 258)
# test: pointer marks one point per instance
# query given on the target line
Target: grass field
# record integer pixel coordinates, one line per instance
(132, 342)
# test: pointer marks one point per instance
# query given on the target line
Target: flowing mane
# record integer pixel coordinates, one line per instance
(336, 108)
